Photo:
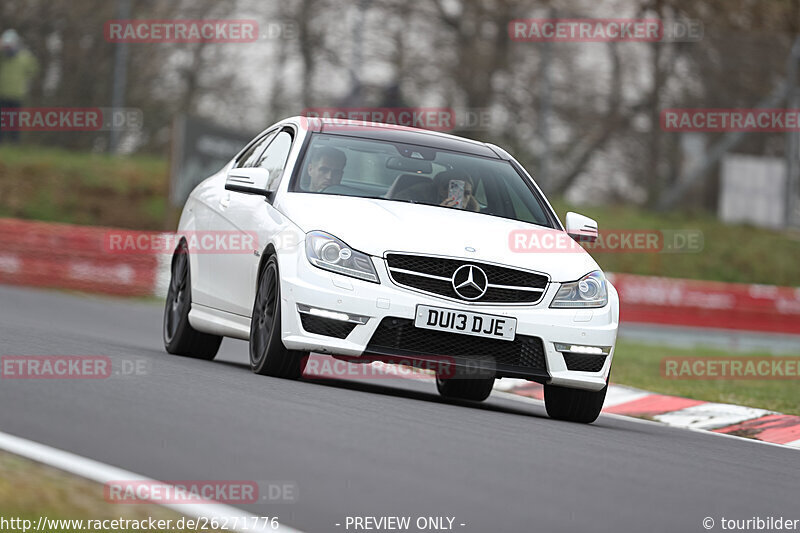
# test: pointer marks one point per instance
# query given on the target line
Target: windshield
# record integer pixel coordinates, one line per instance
(346, 166)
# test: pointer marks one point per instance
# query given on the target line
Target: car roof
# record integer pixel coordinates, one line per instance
(396, 134)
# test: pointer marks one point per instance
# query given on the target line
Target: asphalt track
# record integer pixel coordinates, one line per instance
(368, 448)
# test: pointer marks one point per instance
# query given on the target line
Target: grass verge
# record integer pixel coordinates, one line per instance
(731, 253)
(639, 365)
(30, 490)
(57, 185)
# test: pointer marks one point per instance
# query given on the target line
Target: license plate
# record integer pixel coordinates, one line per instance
(466, 323)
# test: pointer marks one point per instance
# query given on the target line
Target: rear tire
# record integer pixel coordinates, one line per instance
(180, 338)
(268, 355)
(472, 389)
(574, 405)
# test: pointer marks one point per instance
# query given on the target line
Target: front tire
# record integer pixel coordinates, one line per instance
(180, 338)
(268, 355)
(574, 405)
(472, 389)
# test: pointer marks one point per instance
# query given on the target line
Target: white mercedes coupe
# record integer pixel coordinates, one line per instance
(373, 242)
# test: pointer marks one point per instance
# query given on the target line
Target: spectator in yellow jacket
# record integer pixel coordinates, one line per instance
(17, 68)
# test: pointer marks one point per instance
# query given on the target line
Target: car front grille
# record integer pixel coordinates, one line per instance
(434, 275)
(326, 326)
(399, 336)
(584, 362)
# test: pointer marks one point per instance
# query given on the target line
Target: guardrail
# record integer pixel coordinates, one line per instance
(708, 304)
(64, 256)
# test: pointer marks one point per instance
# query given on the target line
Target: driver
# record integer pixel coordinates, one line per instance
(325, 168)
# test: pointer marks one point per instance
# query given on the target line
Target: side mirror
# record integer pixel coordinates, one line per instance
(248, 180)
(581, 228)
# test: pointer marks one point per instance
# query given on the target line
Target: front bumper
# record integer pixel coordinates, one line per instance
(305, 285)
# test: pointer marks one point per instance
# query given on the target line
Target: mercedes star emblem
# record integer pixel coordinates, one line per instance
(470, 282)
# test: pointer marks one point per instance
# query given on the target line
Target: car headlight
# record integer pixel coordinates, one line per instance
(329, 253)
(589, 291)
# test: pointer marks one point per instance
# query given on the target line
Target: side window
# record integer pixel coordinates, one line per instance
(275, 156)
(252, 155)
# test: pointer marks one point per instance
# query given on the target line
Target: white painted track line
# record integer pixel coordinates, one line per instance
(618, 395)
(540, 403)
(103, 473)
(711, 416)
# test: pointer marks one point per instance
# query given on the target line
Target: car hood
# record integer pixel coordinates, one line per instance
(377, 226)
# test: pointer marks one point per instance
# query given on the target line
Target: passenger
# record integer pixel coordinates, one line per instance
(442, 182)
(437, 192)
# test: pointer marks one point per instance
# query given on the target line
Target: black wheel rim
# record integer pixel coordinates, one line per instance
(264, 315)
(177, 296)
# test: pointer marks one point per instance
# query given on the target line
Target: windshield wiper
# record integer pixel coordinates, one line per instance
(377, 198)
(390, 199)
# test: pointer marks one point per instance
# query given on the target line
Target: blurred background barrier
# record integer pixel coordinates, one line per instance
(708, 304)
(82, 258)
(72, 257)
